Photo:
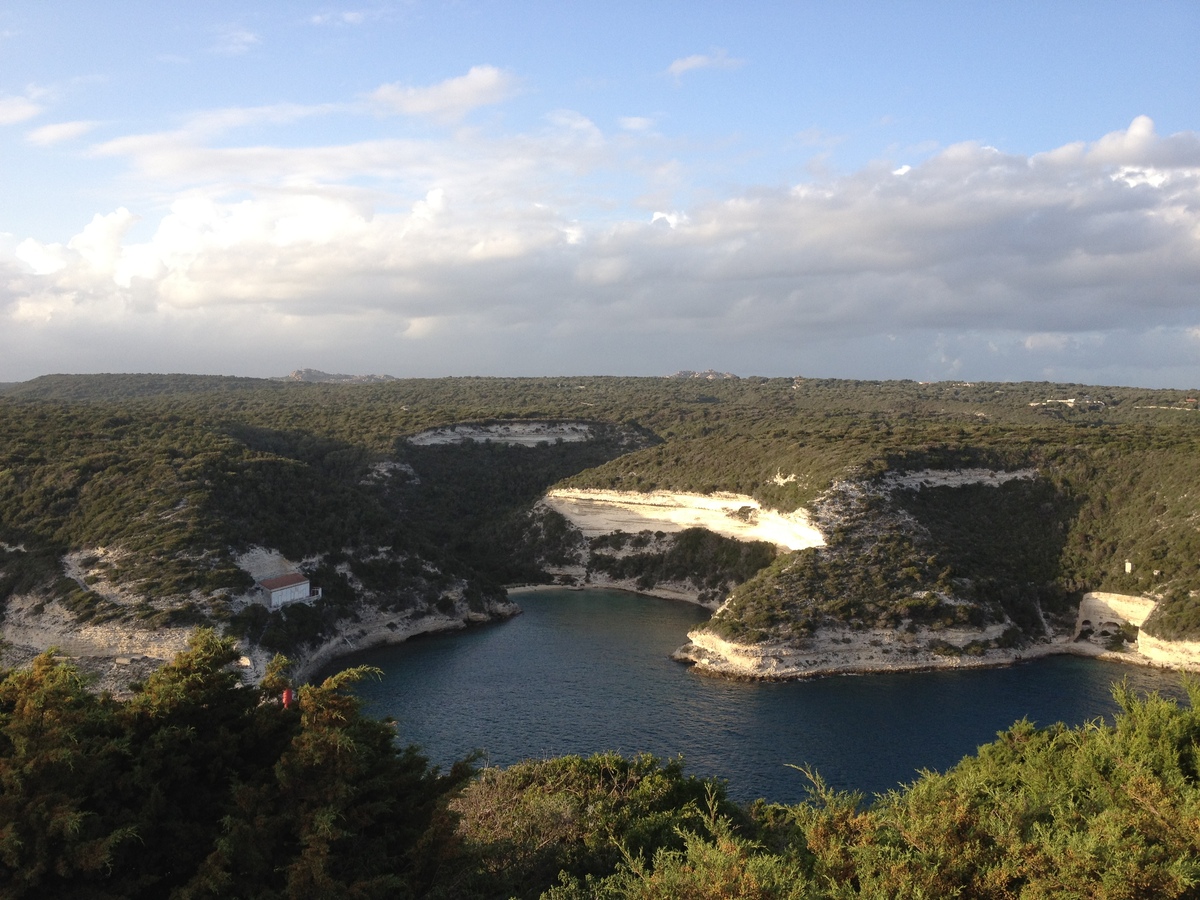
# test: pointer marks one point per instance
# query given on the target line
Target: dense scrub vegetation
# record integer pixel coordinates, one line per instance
(178, 473)
(937, 556)
(200, 786)
(710, 562)
(203, 787)
(473, 498)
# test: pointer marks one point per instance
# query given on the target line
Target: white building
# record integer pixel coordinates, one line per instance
(287, 589)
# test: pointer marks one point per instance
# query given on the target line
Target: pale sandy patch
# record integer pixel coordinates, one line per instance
(34, 622)
(955, 477)
(1170, 654)
(263, 562)
(525, 434)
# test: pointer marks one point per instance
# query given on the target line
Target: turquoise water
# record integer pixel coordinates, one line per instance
(588, 671)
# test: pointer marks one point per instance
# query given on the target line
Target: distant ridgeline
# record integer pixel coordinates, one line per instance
(132, 498)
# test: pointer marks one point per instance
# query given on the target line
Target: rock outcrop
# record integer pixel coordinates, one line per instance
(1104, 626)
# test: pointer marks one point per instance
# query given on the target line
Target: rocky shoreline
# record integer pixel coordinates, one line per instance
(379, 628)
(113, 655)
(573, 579)
(846, 652)
(836, 652)
(843, 651)
(711, 655)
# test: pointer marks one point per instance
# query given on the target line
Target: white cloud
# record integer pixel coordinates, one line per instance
(346, 17)
(472, 246)
(1054, 343)
(17, 109)
(235, 41)
(818, 137)
(451, 99)
(43, 259)
(433, 204)
(575, 128)
(182, 152)
(670, 219)
(718, 59)
(636, 123)
(99, 244)
(1126, 146)
(58, 132)
(213, 123)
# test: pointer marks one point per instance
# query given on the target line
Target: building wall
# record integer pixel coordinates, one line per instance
(289, 594)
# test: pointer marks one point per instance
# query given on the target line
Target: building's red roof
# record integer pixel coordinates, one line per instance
(283, 581)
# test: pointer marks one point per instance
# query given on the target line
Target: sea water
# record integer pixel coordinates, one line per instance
(589, 671)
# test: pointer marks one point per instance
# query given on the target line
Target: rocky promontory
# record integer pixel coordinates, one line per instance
(843, 651)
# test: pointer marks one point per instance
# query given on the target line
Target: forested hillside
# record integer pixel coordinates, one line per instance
(156, 483)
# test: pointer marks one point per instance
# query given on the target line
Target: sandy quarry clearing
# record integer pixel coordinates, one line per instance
(525, 434)
(263, 562)
(596, 512)
(954, 477)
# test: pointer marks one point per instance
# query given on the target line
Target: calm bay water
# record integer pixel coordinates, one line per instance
(588, 671)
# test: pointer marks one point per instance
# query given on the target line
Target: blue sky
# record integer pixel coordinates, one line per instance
(936, 190)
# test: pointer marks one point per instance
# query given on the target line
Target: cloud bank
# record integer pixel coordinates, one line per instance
(497, 254)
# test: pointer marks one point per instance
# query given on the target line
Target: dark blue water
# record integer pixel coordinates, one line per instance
(588, 671)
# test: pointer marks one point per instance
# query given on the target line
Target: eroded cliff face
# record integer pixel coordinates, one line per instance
(1113, 622)
(375, 627)
(113, 654)
(1183, 655)
(398, 546)
(602, 512)
(921, 569)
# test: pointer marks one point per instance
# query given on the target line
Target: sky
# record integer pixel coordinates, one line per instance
(928, 190)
